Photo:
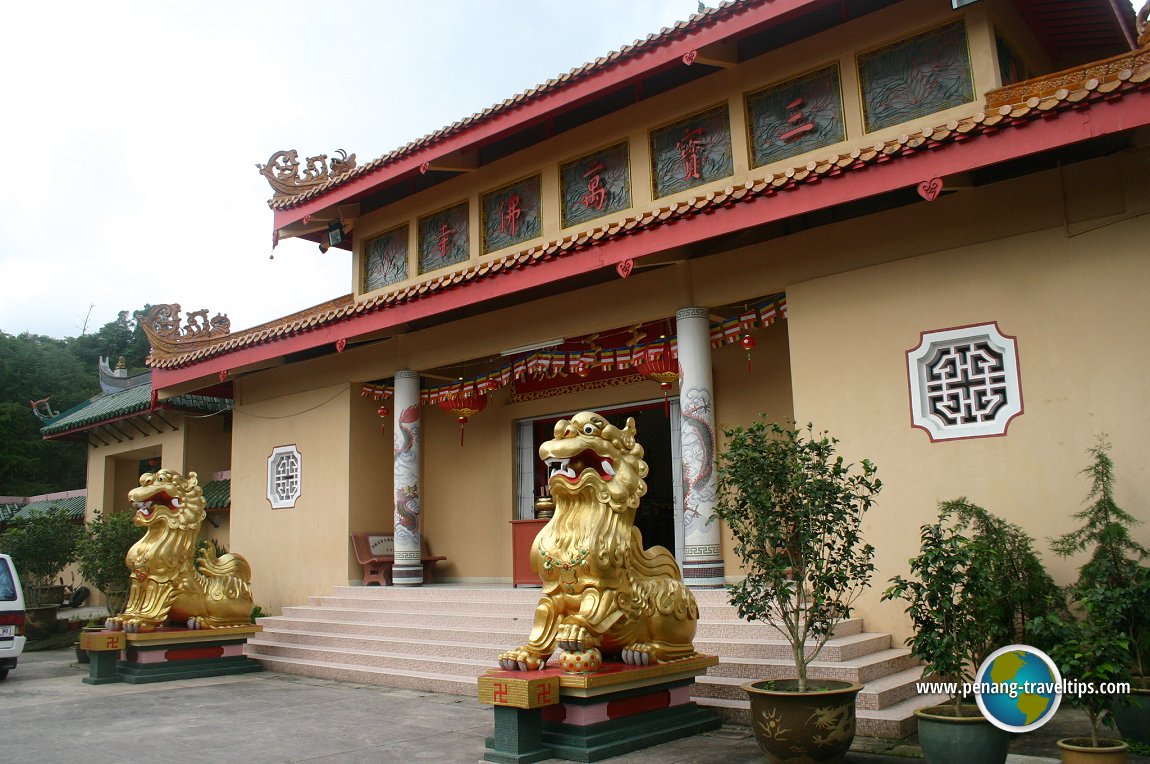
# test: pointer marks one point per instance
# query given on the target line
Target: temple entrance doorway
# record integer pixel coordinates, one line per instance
(659, 517)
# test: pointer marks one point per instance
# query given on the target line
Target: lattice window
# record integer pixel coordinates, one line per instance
(285, 471)
(964, 382)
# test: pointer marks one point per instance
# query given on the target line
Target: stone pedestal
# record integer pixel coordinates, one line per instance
(590, 717)
(167, 654)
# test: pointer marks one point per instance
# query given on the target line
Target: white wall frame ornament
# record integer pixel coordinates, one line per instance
(964, 382)
(285, 476)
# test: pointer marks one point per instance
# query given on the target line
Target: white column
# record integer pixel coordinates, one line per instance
(408, 570)
(702, 558)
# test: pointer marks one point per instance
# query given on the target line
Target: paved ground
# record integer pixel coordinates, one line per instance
(48, 715)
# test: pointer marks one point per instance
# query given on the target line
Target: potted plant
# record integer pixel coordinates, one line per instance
(101, 553)
(1109, 641)
(795, 511)
(41, 547)
(976, 582)
(1091, 649)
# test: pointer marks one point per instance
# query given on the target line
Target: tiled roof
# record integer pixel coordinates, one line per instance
(1119, 81)
(679, 30)
(218, 494)
(104, 407)
(72, 506)
(9, 510)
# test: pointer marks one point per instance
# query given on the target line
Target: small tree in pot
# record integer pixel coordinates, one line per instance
(796, 511)
(976, 582)
(101, 555)
(1108, 642)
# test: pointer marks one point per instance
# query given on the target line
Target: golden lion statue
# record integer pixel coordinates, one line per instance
(169, 583)
(601, 590)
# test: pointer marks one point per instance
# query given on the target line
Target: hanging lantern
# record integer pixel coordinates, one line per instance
(748, 343)
(384, 413)
(464, 404)
(663, 369)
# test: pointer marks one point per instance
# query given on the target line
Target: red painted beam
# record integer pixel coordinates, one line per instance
(1072, 126)
(605, 78)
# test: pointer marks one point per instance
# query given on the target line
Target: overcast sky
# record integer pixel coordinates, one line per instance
(131, 130)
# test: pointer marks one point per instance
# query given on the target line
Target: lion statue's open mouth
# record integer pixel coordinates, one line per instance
(601, 590)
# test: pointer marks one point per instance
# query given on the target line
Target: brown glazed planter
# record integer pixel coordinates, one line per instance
(1078, 750)
(812, 727)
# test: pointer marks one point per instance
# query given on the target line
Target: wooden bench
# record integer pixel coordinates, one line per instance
(376, 553)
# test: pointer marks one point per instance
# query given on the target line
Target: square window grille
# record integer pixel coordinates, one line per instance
(285, 469)
(964, 382)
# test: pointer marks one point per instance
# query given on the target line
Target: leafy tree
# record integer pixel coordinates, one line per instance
(34, 367)
(795, 510)
(41, 546)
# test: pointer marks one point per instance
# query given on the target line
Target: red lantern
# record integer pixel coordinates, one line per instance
(383, 414)
(663, 369)
(748, 342)
(464, 404)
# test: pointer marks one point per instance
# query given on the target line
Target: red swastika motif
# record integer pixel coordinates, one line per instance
(543, 695)
(499, 693)
(113, 642)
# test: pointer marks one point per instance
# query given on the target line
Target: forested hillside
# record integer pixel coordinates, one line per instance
(33, 367)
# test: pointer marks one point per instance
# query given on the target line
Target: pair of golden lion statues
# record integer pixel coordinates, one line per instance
(603, 593)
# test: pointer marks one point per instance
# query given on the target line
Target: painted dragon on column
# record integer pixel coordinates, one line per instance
(170, 582)
(603, 593)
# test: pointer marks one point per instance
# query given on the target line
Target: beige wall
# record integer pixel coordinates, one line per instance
(1078, 309)
(292, 551)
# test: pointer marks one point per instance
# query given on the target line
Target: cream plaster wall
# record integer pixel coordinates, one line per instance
(302, 550)
(1078, 309)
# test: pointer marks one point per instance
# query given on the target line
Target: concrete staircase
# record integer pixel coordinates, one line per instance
(441, 638)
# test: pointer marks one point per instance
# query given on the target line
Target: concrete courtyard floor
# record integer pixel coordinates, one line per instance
(47, 714)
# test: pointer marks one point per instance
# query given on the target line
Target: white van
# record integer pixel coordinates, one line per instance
(11, 616)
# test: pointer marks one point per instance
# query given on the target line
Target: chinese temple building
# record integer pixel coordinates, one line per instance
(129, 431)
(919, 227)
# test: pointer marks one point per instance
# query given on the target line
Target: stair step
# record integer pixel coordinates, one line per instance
(836, 648)
(862, 669)
(434, 647)
(441, 638)
(376, 659)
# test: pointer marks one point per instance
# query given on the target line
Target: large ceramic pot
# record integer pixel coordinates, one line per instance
(949, 739)
(812, 727)
(1078, 750)
(1133, 717)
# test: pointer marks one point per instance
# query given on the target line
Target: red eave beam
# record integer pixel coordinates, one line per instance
(1006, 143)
(585, 87)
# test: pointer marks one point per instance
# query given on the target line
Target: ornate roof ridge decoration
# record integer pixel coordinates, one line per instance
(666, 35)
(162, 326)
(282, 171)
(1118, 68)
(982, 124)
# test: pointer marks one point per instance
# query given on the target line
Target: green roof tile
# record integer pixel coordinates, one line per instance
(218, 494)
(9, 510)
(73, 507)
(123, 402)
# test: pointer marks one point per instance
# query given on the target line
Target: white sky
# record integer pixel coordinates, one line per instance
(130, 132)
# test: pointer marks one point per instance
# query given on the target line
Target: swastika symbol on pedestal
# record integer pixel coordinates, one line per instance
(499, 692)
(966, 383)
(543, 695)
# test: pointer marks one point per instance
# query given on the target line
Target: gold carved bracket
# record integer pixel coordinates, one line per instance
(288, 177)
